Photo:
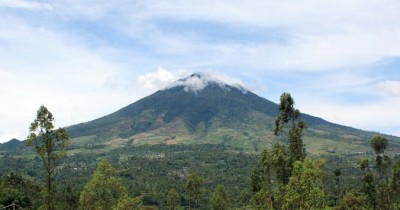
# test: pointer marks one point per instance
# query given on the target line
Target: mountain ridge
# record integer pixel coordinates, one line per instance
(202, 109)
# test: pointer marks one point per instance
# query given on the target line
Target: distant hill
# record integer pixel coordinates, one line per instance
(203, 109)
(12, 145)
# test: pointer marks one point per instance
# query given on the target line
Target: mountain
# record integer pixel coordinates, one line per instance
(12, 145)
(204, 109)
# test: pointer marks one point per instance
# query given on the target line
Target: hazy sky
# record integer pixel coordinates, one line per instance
(339, 59)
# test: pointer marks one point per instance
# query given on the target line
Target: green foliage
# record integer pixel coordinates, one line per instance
(172, 199)
(262, 199)
(288, 114)
(104, 190)
(194, 185)
(273, 174)
(353, 202)
(15, 189)
(395, 183)
(220, 199)
(232, 122)
(379, 144)
(304, 190)
(369, 189)
(128, 203)
(50, 145)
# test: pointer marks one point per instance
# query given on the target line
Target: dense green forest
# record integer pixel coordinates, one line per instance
(49, 174)
(150, 172)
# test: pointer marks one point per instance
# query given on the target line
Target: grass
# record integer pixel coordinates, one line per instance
(319, 146)
(82, 140)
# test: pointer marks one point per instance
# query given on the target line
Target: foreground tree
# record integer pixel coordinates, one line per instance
(194, 185)
(270, 177)
(104, 190)
(50, 145)
(304, 189)
(275, 166)
(219, 199)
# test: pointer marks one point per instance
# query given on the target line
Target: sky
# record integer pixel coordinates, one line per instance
(339, 59)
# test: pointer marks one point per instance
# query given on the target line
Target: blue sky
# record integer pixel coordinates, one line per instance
(339, 59)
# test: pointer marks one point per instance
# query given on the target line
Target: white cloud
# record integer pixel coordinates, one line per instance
(42, 66)
(321, 35)
(199, 81)
(153, 81)
(392, 88)
(23, 4)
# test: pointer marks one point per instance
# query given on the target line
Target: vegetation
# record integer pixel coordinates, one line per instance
(219, 199)
(50, 146)
(104, 191)
(123, 173)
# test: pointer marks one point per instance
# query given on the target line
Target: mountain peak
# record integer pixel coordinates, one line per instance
(198, 81)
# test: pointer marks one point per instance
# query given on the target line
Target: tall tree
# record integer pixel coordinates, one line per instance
(219, 199)
(194, 185)
(304, 188)
(50, 145)
(288, 114)
(104, 190)
(379, 144)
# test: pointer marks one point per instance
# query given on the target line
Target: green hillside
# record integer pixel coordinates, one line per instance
(217, 114)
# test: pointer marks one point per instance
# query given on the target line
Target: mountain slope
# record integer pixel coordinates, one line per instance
(200, 109)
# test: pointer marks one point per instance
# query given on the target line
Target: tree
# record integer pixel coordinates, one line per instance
(219, 199)
(395, 184)
(369, 189)
(104, 190)
(15, 189)
(50, 145)
(128, 203)
(353, 202)
(379, 144)
(337, 193)
(172, 199)
(368, 183)
(288, 114)
(193, 186)
(304, 188)
(270, 177)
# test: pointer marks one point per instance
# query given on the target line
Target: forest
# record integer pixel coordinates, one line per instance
(196, 176)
